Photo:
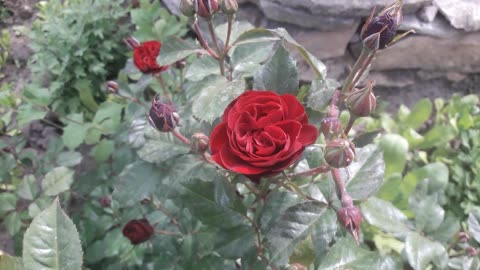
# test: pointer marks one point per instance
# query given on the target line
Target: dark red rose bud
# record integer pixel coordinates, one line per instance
(138, 231)
(229, 7)
(351, 217)
(163, 115)
(131, 42)
(105, 201)
(206, 8)
(331, 127)
(362, 102)
(187, 7)
(463, 237)
(112, 86)
(339, 153)
(199, 142)
(380, 30)
(145, 201)
(145, 57)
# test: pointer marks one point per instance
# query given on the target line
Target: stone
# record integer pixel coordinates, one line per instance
(462, 14)
(303, 17)
(461, 54)
(20, 51)
(427, 13)
(396, 78)
(439, 27)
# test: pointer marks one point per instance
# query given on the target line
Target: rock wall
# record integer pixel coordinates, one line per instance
(443, 56)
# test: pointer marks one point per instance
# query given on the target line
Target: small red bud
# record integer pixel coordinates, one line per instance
(471, 251)
(200, 142)
(112, 86)
(362, 102)
(380, 30)
(180, 64)
(138, 231)
(206, 8)
(163, 115)
(351, 217)
(463, 237)
(331, 127)
(339, 153)
(131, 42)
(187, 7)
(105, 201)
(229, 7)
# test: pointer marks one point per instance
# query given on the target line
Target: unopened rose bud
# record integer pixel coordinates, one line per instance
(339, 153)
(145, 201)
(206, 8)
(229, 7)
(131, 42)
(463, 237)
(471, 251)
(187, 7)
(351, 217)
(163, 115)
(138, 231)
(380, 30)
(331, 127)
(112, 86)
(105, 201)
(362, 102)
(199, 142)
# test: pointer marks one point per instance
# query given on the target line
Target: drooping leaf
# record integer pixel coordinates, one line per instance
(199, 197)
(52, 242)
(320, 94)
(384, 215)
(291, 228)
(174, 49)
(279, 74)
(214, 94)
(136, 182)
(57, 181)
(346, 254)
(421, 251)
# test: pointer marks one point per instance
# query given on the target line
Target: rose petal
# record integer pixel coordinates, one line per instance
(295, 109)
(308, 135)
(233, 163)
(218, 138)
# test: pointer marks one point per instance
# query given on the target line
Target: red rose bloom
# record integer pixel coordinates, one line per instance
(145, 57)
(261, 134)
(137, 231)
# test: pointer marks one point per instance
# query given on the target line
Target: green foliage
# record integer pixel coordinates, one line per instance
(76, 46)
(4, 46)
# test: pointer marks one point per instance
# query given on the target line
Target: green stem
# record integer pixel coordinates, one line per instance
(347, 85)
(202, 41)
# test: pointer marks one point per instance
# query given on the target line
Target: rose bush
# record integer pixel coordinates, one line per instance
(261, 134)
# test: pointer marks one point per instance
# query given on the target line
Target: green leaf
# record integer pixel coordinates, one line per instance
(324, 232)
(395, 152)
(366, 139)
(234, 242)
(201, 68)
(10, 263)
(320, 93)
(69, 158)
(39, 205)
(28, 113)
(428, 214)
(85, 92)
(474, 227)
(215, 93)
(368, 171)
(421, 251)
(75, 131)
(420, 114)
(52, 242)
(291, 228)
(447, 230)
(438, 135)
(108, 116)
(174, 49)
(28, 188)
(103, 150)
(238, 27)
(436, 173)
(136, 182)
(8, 202)
(279, 74)
(57, 181)
(384, 215)
(12, 223)
(199, 197)
(160, 147)
(346, 254)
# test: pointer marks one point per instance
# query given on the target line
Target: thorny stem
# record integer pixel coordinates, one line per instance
(311, 172)
(348, 84)
(221, 57)
(364, 67)
(292, 187)
(229, 32)
(163, 232)
(173, 220)
(202, 41)
(180, 136)
(344, 196)
(350, 124)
